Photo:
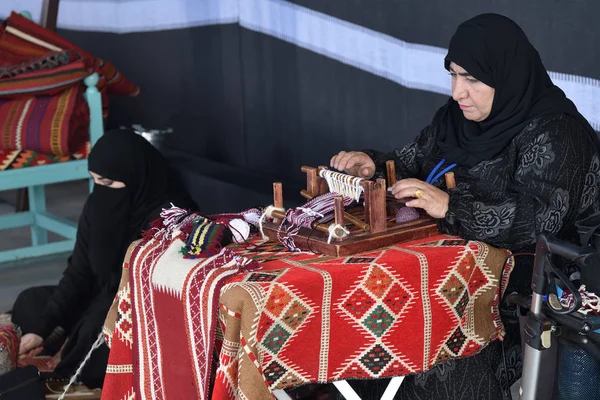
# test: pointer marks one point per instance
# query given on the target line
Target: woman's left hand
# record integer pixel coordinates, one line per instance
(433, 200)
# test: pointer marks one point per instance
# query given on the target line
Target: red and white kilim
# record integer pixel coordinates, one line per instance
(175, 303)
(118, 333)
(302, 318)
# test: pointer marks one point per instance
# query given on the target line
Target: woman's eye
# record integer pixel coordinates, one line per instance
(472, 80)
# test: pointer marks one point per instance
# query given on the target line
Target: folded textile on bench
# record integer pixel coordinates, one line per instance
(42, 107)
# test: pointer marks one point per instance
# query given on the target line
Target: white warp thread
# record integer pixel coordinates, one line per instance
(344, 184)
(268, 213)
(73, 379)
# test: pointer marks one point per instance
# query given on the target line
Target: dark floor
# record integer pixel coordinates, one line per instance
(65, 200)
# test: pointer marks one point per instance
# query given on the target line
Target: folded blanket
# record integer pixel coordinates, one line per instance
(42, 107)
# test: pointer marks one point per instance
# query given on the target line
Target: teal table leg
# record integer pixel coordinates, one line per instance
(37, 204)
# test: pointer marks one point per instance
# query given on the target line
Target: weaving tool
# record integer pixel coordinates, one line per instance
(354, 215)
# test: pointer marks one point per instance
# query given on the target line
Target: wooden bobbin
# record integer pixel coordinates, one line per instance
(390, 167)
(450, 182)
(277, 198)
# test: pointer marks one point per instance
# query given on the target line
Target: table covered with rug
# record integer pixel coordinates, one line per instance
(254, 317)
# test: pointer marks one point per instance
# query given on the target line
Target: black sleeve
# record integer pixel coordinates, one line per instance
(409, 159)
(544, 194)
(75, 289)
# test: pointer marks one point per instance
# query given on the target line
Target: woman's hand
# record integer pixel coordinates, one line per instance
(354, 163)
(31, 345)
(55, 360)
(433, 200)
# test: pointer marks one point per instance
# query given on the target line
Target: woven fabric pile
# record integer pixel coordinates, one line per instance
(43, 113)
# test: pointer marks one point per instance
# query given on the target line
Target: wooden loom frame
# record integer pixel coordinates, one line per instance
(374, 231)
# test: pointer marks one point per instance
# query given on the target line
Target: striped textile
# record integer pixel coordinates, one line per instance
(47, 124)
(22, 40)
(46, 75)
(42, 107)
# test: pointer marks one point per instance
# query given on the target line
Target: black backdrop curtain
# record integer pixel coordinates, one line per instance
(269, 85)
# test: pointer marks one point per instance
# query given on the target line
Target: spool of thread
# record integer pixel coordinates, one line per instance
(240, 230)
(406, 214)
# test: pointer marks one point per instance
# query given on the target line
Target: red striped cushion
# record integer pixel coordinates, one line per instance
(56, 124)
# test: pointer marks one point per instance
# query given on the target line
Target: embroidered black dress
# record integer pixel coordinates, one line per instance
(531, 166)
(544, 181)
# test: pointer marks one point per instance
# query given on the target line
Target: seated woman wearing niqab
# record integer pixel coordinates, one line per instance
(132, 185)
(527, 162)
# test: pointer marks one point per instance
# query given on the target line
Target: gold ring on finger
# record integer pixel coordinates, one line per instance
(418, 193)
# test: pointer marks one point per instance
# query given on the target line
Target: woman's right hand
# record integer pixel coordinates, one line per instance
(31, 345)
(354, 163)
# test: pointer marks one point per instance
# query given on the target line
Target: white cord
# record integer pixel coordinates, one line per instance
(96, 344)
(344, 184)
(332, 232)
(268, 213)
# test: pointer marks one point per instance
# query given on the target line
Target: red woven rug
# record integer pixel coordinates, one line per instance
(301, 318)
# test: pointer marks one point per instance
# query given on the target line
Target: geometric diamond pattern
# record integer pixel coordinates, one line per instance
(378, 281)
(465, 266)
(376, 359)
(359, 260)
(378, 321)
(124, 321)
(452, 288)
(356, 371)
(295, 315)
(276, 338)
(478, 280)
(261, 277)
(358, 303)
(443, 356)
(264, 325)
(461, 306)
(273, 372)
(278, 300)
(291, 379)
(396, 298)
(456, 341)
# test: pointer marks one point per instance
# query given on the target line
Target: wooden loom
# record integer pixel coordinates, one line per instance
(371, 226)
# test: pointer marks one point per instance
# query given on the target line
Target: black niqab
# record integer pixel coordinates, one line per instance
(494, 50)
(117, 216)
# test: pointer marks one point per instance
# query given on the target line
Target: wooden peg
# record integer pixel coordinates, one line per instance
(323, 187)
(390, 166)
(375, 205)
(312, 183)
(277, 197)
(338, 209)
(450, 182)
(347, 217)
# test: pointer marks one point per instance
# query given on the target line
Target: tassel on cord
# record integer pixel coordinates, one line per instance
(268, 213)
(333, 232)
(73, 379)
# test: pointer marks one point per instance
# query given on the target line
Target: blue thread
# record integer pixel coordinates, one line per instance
(431, 178)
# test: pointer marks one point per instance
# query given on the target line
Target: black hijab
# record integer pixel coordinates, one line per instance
(116, 216)
(494, 50)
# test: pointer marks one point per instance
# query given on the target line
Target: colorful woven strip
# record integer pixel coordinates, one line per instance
(204, 239)
(9, 348)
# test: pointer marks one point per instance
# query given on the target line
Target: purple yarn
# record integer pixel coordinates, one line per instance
(406, 214)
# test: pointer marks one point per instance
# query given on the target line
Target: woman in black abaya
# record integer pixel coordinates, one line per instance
(132, 185)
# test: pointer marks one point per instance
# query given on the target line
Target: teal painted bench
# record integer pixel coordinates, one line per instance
(35, 179)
